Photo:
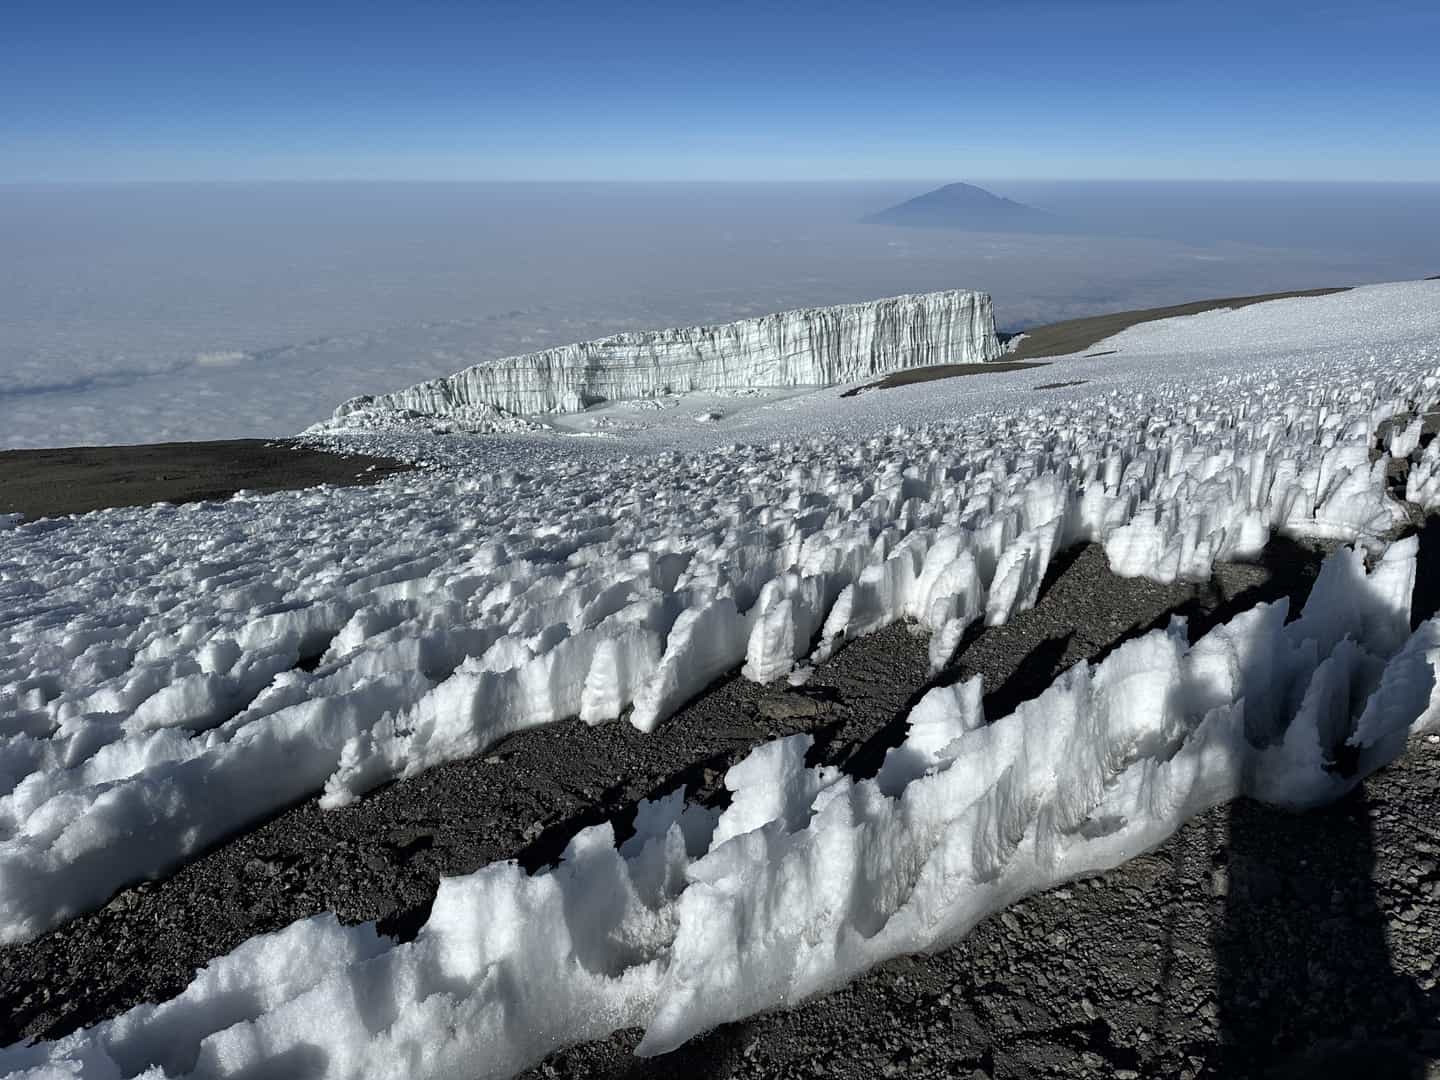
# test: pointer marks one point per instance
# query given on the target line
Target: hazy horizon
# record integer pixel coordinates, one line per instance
(918, 182)
(158, 311)
(225, 219)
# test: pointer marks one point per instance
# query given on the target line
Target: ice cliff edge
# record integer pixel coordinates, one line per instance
(806, 347)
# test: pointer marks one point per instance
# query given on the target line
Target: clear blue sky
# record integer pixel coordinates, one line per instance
(121, 90)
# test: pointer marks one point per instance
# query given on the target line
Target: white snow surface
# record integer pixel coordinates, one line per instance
(461, 419)
(806, 347)
(153, 700)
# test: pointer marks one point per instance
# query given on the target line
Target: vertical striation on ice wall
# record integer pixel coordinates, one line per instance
(807, 347)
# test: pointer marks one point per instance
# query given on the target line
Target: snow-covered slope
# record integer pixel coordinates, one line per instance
(172, 674)
(806, 347)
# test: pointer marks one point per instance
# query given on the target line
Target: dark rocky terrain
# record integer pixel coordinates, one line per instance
(78, 479)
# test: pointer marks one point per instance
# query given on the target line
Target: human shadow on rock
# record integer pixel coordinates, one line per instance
(1305, 981)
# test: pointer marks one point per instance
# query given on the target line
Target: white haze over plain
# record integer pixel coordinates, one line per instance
(146, 313)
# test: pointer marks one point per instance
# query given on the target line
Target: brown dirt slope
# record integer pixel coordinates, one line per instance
(939, 371)
(76, 480)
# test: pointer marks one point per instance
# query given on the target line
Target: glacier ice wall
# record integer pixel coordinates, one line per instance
(807, 347)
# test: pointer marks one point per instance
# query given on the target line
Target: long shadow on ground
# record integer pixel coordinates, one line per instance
(1306, 984)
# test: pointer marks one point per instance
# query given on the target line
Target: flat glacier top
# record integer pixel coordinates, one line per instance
(840, 310)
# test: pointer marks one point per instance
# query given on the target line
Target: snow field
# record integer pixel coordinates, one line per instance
(810, 876)
(172, 674)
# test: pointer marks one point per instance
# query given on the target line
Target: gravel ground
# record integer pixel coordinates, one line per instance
(940, 371)
(78, 479)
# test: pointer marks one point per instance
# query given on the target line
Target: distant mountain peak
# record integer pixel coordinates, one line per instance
(965, 206)
(961, 194)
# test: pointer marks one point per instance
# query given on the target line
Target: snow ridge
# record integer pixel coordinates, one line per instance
(809, 877)
(806, 347)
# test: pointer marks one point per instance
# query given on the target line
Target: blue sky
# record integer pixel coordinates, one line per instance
(428, 90)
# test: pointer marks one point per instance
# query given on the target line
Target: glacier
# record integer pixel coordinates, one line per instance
(819, 346)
